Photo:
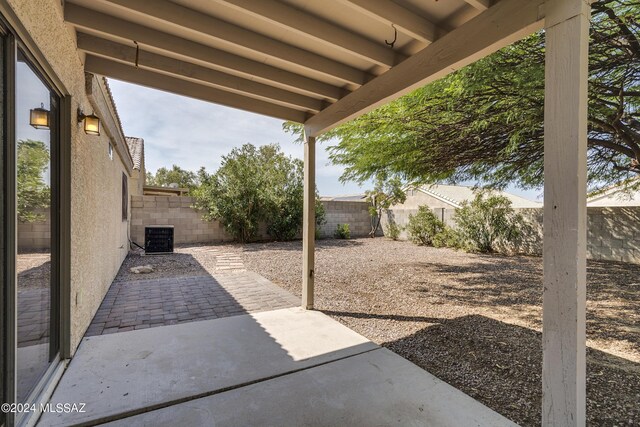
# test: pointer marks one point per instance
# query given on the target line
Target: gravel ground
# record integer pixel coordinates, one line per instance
(472, 320)
(34, 270)
(185, 261)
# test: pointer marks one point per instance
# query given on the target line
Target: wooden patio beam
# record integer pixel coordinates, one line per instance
(321, 31)
(501, 25)
(131, 74)
(480, 4)
(565, 213)
(309, 222)
(406, 21)
(192, 72)
(195, 52)
(176, 15)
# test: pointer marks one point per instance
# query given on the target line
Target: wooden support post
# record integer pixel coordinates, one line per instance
(565, 213)
(309, 221)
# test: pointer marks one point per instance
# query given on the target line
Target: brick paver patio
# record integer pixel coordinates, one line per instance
(33, 316)
(141, 304)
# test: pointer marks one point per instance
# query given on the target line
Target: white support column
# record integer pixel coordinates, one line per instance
(565, 212)
(309, 221)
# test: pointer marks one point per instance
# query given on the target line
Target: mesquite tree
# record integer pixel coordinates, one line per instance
(386, 193)
(484, 123)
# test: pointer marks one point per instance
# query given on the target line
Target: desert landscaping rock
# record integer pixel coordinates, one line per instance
(143, 269)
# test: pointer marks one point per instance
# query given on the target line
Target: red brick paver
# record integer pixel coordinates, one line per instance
(143, 304)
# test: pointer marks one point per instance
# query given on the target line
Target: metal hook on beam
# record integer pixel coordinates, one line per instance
(395, 37)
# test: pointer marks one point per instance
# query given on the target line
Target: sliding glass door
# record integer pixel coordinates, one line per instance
(5, 374)
(35, 118)
(29, 242)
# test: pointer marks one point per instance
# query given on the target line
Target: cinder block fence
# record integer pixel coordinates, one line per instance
(354, 213)
(190, 227)
(613, 233)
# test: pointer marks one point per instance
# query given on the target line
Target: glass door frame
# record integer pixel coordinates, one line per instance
(10, 29)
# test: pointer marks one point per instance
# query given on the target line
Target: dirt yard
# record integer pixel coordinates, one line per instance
(472, 320)
(34, 270)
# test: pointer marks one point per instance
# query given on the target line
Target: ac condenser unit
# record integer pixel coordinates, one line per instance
(158, 239)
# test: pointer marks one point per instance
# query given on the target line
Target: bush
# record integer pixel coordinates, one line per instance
(392, 230)
(321, 217)
(447, 238)
(486, 222)
(342, 232)
(424, 226)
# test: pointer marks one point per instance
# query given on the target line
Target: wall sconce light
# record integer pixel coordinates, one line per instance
(39, 117)
(91, 123)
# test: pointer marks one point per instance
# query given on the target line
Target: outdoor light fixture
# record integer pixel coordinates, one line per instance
(39, 117)
(91, 123)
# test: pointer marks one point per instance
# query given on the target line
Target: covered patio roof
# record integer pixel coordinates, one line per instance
(322, 63)
(318, 63)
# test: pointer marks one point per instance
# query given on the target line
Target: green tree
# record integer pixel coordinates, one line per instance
(33, 192)
(255, 185)
(176, 175)
(385, 193)
(485, 122)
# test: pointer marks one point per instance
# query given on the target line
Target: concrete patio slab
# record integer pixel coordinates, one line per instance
(377, 388)
(132, 372)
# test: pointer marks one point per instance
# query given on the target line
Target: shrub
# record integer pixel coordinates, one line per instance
(392, 230)
(321, 217)
(447, 238)
(486, 222)
(342, 232)
(424, 226)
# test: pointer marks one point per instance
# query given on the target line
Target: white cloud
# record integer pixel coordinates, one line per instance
(193, 133)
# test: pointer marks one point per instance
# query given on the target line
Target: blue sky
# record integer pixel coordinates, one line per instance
(191, 133)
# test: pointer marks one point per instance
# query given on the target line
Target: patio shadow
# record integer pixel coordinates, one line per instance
(516, 282)
(125, 374)
(500, 365)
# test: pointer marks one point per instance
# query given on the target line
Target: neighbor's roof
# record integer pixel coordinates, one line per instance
(136, 149)
(617, 195)
(456, 194)
(344, 198)
(150, 190)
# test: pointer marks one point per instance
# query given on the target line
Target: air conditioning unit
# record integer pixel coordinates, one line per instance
(158, 239)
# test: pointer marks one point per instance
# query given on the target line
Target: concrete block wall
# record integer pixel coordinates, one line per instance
(354, 213)
(613, 233)
(35, 236)
(190, 227)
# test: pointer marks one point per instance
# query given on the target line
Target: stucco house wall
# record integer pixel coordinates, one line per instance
(417, 198)
(98, 234)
